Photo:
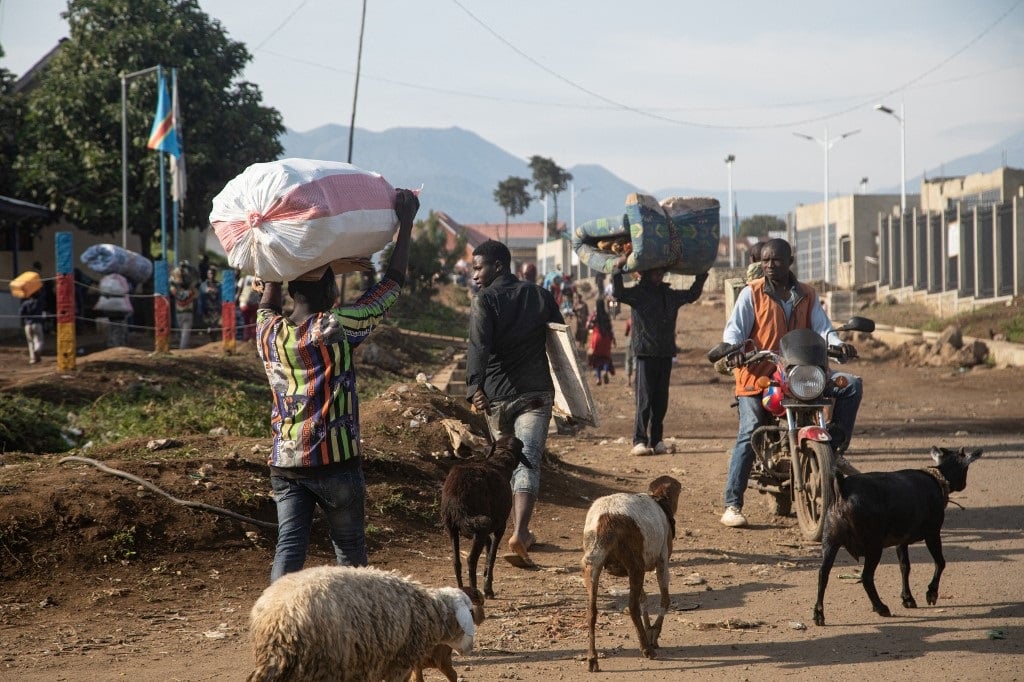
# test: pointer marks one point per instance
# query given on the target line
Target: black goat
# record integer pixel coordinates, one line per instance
(891, 509)
(475, 503)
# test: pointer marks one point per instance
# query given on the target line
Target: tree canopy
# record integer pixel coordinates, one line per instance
(513, 198)
(70, 154)
(549, 178)
(760, 225)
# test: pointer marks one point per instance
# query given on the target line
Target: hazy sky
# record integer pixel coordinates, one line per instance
(657, 91)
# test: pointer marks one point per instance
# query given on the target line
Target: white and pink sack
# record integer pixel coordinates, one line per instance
(282, 219)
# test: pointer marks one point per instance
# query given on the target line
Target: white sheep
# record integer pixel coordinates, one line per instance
(629, 535)
(341, 624)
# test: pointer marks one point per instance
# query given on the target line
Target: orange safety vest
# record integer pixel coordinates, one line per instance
(770, 325)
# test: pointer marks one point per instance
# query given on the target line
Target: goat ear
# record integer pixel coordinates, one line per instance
(973, 455)
(938, 454)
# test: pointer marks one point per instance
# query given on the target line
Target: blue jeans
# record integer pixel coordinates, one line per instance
(527, 418)
(752, 414)
(341, 496)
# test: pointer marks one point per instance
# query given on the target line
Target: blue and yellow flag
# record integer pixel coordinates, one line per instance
(162, 136)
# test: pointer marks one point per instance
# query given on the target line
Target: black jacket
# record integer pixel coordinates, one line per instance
(508, 338)
(654, 312)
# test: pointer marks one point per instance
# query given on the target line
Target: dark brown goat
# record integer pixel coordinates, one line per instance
(475, 503)
(891, 509)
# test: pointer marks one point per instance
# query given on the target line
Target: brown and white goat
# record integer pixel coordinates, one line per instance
(629, 535)
(476, 500)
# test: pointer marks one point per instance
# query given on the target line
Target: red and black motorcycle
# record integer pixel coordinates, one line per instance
(795, 452)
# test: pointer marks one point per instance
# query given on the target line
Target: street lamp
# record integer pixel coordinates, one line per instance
(544, 233)
(903, 151)
(729, 160)
(572, 216)
(125, 77)
(827, 143)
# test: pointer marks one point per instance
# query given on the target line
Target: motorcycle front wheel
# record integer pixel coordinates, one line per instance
(812, 502)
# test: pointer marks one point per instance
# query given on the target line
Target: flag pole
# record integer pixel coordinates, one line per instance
(125, 77)
(175, 195)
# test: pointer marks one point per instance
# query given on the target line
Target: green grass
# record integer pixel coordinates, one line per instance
(418, 312)
(174, 410)
(30, 425)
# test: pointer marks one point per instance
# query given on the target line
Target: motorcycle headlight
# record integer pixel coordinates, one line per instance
(806, 382)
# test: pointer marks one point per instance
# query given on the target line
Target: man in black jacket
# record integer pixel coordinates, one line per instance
(507, 373)
(655, 307)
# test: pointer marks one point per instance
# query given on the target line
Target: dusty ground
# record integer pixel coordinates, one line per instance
(102, 580)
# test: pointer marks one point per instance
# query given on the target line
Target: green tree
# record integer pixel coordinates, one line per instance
(429, 255)
(760, 225)
(512, 196)
(71, 153)
(10, 125)
(549, 178)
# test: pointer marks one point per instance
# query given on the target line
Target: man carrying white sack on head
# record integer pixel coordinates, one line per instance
(316, 457)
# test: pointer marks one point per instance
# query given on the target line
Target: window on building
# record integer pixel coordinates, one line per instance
(20, 232)
(845, 249)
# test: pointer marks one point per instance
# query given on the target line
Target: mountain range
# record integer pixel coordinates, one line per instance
(459, 171)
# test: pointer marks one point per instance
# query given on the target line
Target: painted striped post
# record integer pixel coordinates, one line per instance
(65, 302)
(227, 309)
(161, 308)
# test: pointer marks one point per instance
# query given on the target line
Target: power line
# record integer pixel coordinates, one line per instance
(660, 113)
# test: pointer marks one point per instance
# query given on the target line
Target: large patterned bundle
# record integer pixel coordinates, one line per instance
(283, 219)
(108, 259)
(680, 234)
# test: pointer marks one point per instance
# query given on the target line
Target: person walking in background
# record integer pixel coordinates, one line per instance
(602, 338)
(316, 457)
(766, 309)
(183, 293)
(33, 314)
(754, 269)
(508, 376)
(655, 308)
(250, 290)
(629, 360)
(210, 302)
(581, 311)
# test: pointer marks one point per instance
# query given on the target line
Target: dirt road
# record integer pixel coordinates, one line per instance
(741, 599)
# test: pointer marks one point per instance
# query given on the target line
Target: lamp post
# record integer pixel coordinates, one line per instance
(729, 160)
(125, 77)
(572, 216)
(827, 143)
(903, 151)
(544, 232)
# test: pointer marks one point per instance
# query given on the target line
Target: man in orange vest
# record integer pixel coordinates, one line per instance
(765, 310)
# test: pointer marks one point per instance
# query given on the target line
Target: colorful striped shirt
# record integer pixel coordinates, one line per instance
(315, 415)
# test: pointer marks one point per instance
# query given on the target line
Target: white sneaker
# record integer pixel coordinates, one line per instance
(733, 518)
(641, 450)
(844, 467)
(663, 448)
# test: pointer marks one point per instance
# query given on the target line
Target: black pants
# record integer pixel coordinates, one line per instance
(652, 377)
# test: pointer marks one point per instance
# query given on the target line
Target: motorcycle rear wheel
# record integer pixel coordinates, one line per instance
(815, 461)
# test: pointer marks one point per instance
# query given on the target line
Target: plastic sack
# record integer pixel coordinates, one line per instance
(114, 285)
(697, 219)
(113, 295)
(282, 219)
(109, 258)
